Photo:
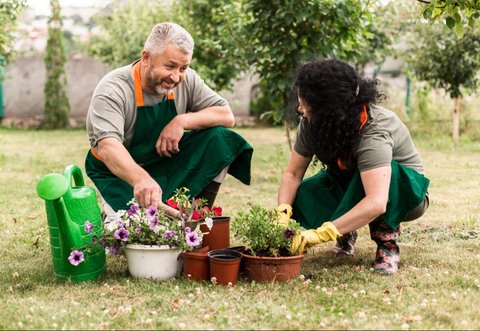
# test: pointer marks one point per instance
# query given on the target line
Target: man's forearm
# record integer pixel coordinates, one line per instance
(206, 118)
(119, 161)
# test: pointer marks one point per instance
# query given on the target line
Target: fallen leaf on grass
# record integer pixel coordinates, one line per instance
(175, 304)
(412, 318)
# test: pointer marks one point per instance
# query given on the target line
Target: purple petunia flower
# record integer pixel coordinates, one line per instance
(289, 233)
(113, 250)
(188, 230)
(138, 230)
(122, 234)
(133, 210)
(192, 239)
(88, 227)
(76, 257)
(151, 212)
(153, 223)
(169, 234)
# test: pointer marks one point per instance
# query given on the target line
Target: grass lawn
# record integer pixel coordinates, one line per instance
(437, 286)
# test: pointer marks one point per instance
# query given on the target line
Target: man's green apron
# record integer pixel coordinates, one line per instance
(203, 155)
(330, 194)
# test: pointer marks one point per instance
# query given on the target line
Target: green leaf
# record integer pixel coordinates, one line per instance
(457, 17)
(459, 31)
(450, 22)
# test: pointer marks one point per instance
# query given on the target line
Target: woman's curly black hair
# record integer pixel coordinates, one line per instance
(329, 88)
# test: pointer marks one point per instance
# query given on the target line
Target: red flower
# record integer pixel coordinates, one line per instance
(196, 215)
(217, 211)
(172, 203)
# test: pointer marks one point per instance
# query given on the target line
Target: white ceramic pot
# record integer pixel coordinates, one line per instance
(153, 262)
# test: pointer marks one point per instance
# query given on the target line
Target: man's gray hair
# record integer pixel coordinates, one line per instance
(165, 33)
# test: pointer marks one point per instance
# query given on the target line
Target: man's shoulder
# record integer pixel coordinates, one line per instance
(116, 82)
(118, 75)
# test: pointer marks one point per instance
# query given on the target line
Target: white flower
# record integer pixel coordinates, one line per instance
(209, 222)
(111, 225)
(120, 213)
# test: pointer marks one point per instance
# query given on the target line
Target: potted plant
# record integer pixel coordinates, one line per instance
(215, 228)
(196, 215)
(267, 256)
(151, 241)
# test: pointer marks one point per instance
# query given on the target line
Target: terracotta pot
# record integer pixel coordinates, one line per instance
(219, 236)
(267, 268)
(224, 266)
(196, 264)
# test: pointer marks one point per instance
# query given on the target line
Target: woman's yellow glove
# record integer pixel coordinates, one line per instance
(285, 212)
(327, 232)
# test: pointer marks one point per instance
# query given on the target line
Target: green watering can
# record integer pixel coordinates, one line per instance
(68, 208)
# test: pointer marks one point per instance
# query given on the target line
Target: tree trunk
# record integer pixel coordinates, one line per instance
(456, 119)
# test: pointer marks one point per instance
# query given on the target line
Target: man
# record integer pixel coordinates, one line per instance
(155, 126)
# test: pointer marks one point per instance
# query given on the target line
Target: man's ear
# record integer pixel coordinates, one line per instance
(145, 56)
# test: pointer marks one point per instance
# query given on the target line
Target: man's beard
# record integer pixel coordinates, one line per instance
(154, 86)
(159, 89)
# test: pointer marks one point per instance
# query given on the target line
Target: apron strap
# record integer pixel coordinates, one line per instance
(363, 121)
(137, 84)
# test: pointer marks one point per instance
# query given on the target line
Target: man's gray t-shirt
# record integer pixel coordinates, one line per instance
(112, 111)
(384, 138)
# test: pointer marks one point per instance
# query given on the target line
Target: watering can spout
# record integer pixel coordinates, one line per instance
(52, 188)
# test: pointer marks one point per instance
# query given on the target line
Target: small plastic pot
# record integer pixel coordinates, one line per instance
(224, 266)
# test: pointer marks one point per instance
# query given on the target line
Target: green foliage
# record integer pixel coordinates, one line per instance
(124, 30)
(219, 51)
(271, 37)
(9, 12)
(57, 107)
(443, 60)
(458, 15)
(259, 231)
(381, 32)
(281, 33)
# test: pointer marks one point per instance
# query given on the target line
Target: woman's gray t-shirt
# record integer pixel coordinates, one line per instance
(112, 111)
(384, 138)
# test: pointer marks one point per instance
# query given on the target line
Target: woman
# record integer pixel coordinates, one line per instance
(372, 172)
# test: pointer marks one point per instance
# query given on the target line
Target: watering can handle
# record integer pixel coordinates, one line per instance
(75, 172)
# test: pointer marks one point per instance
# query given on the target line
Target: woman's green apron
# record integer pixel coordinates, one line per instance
(203, 154)
(330, 194)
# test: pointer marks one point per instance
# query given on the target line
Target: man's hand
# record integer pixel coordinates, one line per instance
(167, 143)
(147, 192)
(285, 212)
(327, 232)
